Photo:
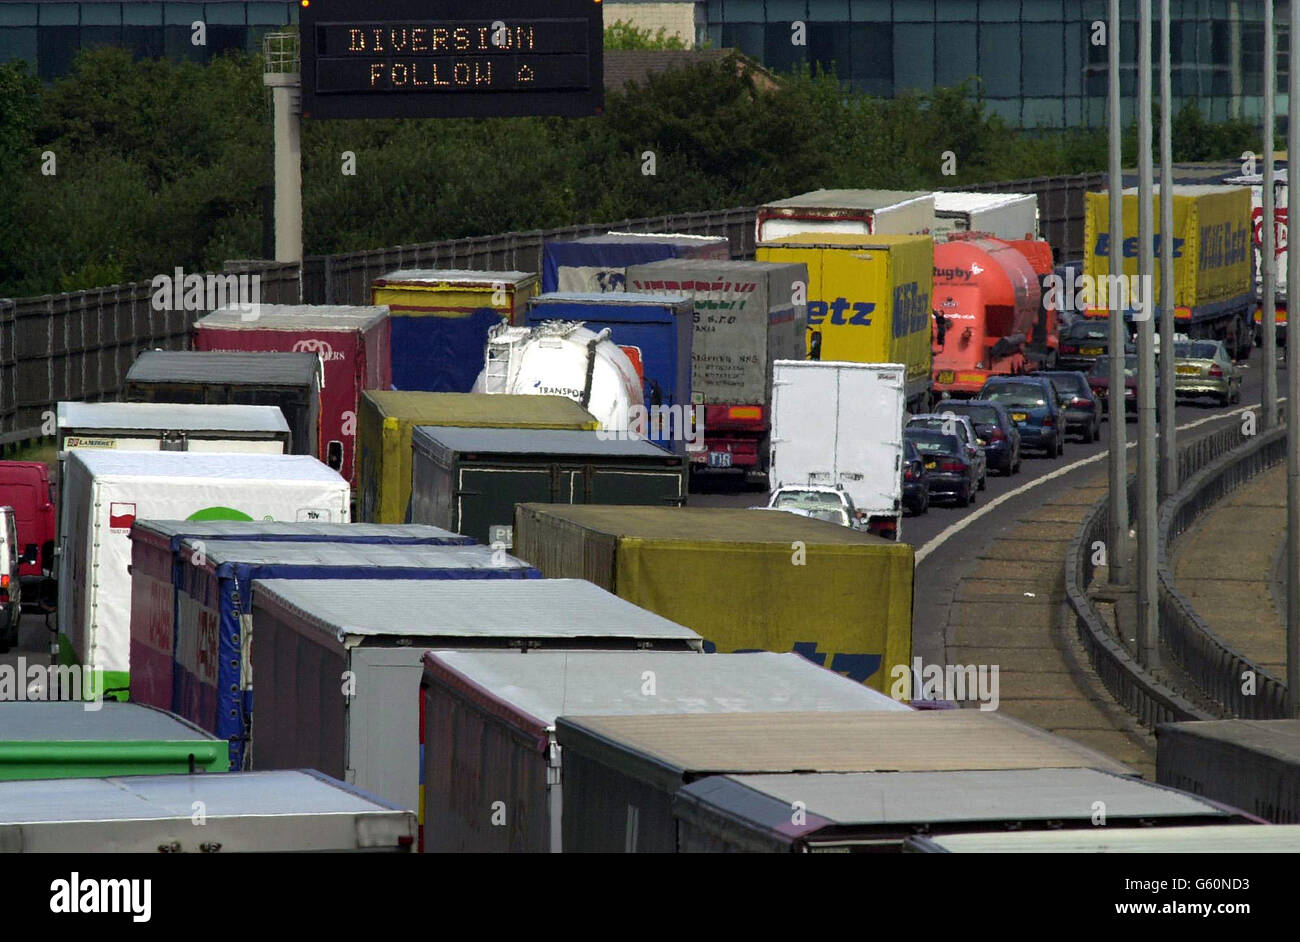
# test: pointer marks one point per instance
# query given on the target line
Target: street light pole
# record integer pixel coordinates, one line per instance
(1144, 313)
(1293, 390)
(1267, 230)
(1118, 551)
(1168, 429)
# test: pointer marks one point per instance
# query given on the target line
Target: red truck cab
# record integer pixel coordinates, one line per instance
(25, 486)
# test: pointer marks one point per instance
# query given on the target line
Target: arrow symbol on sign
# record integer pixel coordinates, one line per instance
(525, 74)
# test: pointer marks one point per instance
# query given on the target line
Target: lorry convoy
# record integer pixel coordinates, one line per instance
(205, 545)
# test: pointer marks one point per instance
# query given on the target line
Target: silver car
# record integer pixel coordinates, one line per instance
(1203, 368)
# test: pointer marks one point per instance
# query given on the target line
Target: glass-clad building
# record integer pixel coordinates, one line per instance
(49, 33)
(1036, 58)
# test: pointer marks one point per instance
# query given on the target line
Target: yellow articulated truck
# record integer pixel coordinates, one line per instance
(1214, 276)
(747, 580)
(868, 300)
(388, 417)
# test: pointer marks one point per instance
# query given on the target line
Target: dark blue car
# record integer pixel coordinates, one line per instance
(1034, 406)
(997, 433)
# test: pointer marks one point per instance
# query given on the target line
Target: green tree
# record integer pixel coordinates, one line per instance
(626, 35)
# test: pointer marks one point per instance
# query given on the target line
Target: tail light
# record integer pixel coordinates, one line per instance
(998, 435)
(952, 466)
(1216, 371)
(1130, 391)
(751, 413)
(1049, 422)
(1069, 348)
(4, 581)
(910, 474)
(1078, 401)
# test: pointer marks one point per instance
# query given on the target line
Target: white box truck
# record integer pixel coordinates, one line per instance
(104, 492)
(1005, 215)
(171, 426)
(854, 212)
(840, 425)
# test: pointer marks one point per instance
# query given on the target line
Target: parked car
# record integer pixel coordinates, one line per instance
(823, 502)
(916, 480)
(11, 598)
(1082, 342)
(950, 422)
(1204, 368)
(948, 463)
(997, 434)
(1034, 407)
(1082, 408)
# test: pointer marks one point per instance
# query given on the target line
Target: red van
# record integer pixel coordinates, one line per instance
(25, 486)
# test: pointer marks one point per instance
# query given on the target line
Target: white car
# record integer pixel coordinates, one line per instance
(832, 504)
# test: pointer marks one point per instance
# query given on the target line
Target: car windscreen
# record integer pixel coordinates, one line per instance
(980, 415)
(938, 423)
(1196, 350)
(1016, 394)
(1067, 384)
(1102, 367)
(933, 443)
(1082, 330)
(808, 499)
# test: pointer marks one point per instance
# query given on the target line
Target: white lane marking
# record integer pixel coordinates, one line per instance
(949, 532)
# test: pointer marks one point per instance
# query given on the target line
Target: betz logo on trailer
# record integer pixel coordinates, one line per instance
(817, 311)
(1131, 245)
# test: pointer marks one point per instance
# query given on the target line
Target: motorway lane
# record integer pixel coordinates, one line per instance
(944, 557)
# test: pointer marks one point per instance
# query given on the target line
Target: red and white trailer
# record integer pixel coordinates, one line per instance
(352, 342)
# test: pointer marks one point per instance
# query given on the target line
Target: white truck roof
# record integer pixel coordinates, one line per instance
(176, 465)
(296, 317)
(170, 416)
(965, 202)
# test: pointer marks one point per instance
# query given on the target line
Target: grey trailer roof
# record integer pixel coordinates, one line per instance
(851, 199)
(359, 555)
(1207, 839)
(434, 276)
(466, 608)
(610, 299)
(168, 416)
(729, 266)
(519, 441)
(252, 369)
(547, 684)
(166, 796)
(70, 721)
(178, 465)
(296, 317)
(864, 799)
(1277, 738)
(672, 238)
(664, 749)
(281, 529)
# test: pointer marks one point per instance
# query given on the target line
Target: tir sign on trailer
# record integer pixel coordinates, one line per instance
(430, 59)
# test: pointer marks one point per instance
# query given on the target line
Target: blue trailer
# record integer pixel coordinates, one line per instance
(599, 263)
(660, 326)
(212, 684)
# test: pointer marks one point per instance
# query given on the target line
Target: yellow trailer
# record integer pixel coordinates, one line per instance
(1214, 277)
(868, 300)
(388, 417)
(746, 580)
